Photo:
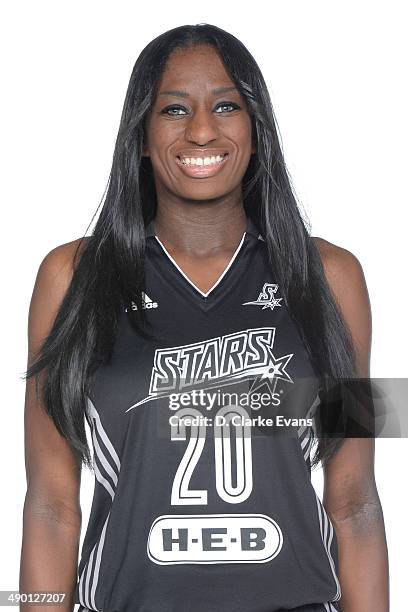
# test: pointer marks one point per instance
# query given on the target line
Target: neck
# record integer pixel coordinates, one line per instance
(200, 228)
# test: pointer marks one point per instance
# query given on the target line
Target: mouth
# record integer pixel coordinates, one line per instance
(201, 166)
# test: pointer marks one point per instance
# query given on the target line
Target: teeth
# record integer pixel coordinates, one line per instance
(202, 161)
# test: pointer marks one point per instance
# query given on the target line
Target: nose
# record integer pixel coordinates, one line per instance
(201, 128)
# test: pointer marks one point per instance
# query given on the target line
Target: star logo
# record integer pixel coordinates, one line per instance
(274, 370)
(266, 298)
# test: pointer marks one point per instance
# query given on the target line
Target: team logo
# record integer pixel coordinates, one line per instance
(147, 303)
(266, 298)
(242, 355)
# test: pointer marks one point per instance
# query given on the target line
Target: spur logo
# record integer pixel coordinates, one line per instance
(266, 298)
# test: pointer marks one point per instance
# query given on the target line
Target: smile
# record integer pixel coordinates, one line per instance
(202, 161)
(201, 166)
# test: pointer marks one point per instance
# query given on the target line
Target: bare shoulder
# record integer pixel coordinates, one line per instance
(57, 267)
(347, 282)
(53, 278)
(342, 267)
(60, 261)
(333, 254)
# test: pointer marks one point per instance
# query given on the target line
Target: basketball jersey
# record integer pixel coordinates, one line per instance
(203, 497)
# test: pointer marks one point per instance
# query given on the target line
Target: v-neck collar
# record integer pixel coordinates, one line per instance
(217, 282)
(250, 229)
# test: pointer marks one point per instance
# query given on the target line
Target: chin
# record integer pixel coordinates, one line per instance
(205, 192)
(203, 197)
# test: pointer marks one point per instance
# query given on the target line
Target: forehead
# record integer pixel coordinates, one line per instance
(195, 67)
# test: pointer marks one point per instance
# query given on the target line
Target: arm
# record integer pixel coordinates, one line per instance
(350, 493)
(51, 514)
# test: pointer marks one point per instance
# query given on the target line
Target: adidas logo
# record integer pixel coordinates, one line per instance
(146, 303)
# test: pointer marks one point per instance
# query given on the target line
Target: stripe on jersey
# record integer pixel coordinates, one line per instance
(326, 531)
(107, 468)
(306, 432)
(306, 437)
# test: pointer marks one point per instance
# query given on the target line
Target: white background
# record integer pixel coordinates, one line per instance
(337, 78)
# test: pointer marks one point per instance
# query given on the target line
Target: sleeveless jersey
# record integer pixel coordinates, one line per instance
(203, 497)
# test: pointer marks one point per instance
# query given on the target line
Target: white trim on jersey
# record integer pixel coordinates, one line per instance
(110, 463)
(327, 531)
(306, 438)
(190, 281)
(306, 433)
(329, 607)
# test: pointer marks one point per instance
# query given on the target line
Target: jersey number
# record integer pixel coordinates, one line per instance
(233, 494)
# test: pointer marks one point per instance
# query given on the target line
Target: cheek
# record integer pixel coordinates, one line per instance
(162, 163)
(244, 137)
(160, 140)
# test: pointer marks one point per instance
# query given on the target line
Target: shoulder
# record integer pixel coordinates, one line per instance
(53, 278)
(58, 265)
(342, 268)
(64, 255)
(346, 279)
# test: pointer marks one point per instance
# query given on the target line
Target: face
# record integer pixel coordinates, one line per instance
(198, 133)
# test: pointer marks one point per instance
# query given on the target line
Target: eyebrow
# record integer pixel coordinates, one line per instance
(184, 94)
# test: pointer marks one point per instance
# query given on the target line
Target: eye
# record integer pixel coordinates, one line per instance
(232, 105)
(166, 110)
(177, 111)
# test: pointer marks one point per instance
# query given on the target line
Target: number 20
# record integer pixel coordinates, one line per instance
(181, 494)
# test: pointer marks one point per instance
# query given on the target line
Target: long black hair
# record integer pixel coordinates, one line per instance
(110, 272)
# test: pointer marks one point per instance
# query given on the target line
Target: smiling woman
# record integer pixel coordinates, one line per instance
(209, 135)
(200, 276)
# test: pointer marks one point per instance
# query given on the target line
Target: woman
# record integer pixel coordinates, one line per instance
(199, 278)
